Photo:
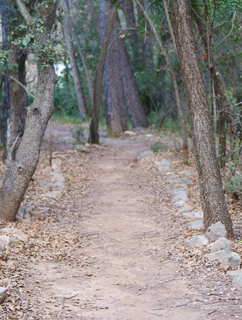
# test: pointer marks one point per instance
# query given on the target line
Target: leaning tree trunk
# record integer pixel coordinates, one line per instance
(114, 97)
(211, 188)
(75, 72)
(38, 114)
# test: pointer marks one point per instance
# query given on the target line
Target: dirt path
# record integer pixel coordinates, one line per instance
(114, 240)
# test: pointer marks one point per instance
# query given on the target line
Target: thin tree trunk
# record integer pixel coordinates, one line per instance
(148, 42)
(75, 72)
(89, 82)
(173, 77)
(114, 97)
(94, 136)
(211, 188)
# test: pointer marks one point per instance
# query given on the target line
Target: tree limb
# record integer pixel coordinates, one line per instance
(21, 85)
(29, 19)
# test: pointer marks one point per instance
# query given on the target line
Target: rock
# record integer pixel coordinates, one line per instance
(237, 282)
(171, 179)
(15, 233)
(47, 185)
(23, 214)
(57, 162)
(197, 241)
(180, 203)
(68, 138)
(179, 186)
(198, 215)
(226, 259)
(129, 133)
(47, 170)
(234, 273)
(197, 225)
(188, 215)
(58, 185)
(220, 244)
(3, 293)
(174, 192)
(52, 195)
(36, 214)
(165, 169)
(183, 181)
(56, 168)
(149, 135)
(186, 173)
(70, 146)
(185, 209)
(145, 154)
(5, 240)
(180, 196)
(20, 212)
(57, 177)
(216, 231)
(146, 160)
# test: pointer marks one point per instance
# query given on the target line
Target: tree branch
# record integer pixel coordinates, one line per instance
(25, 12)
(21, 85)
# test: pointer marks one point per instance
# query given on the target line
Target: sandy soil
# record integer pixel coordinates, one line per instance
(114, 239)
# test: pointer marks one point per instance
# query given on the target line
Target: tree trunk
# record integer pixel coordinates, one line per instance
(94, 14)
(75, 72)
(38, 114)
(131, 93)
(97, 90)
(114, 97)
(211, 188)
(148, 42)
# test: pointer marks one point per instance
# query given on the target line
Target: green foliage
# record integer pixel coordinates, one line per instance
(233, 183)
(158, 147)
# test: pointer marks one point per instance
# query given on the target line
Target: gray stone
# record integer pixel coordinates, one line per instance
(56, 162)
(197, 241)
(57, 177)
(15, 233)
(198, 215)
(237, 282)
(226, 259)
(216, 231)
(47, 185)
(146, 160)
(165, 163)
(180, 196)
(58, 185)
(129, 133)
(186, 173)
(149, 135)
(165, 169)
(36, 214)
(234, 273)
(20, 212)
(3, 293)
(47, 170)
(52, 195)
(171, 179)
(188, 215)
(184, 181)
(5, 240)
(174, 192)
(185, 209)
(145, 154)
(180, 203)
(197, 225)
(220, 244)
(70, 146)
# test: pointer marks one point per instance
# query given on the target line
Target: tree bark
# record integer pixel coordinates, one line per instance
(75, 72)
(131, 93)
(211, 188)
(114, 97)
(97, 90)
(94, 14)
(38, 114)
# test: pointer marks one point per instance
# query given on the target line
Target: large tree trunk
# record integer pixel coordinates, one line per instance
(38, 114)
(135, 39)
(131, 93)
(211, 188)
(114, 97)
(75, 72)
(218, 90)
